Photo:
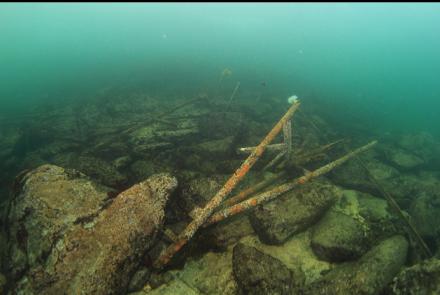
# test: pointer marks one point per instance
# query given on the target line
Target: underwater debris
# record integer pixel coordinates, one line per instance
(276, 192)
(233, 95)
(205, 213)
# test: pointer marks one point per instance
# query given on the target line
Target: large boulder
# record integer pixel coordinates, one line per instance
(67, 235)
(351, 227)
(369, 275)
(259, 273)
(293, 212)
(422, 278)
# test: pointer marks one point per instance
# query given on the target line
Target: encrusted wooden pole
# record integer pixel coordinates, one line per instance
(276, 192)
(204, 213)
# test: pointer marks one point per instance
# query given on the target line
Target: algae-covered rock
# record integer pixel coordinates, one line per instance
(142, 169)
(296, 254)
(425, 212)
(353, 176)
(155, 136)
(174, 287)
(338, 237)
(121, 162)
(367, 276)
(224, 234)
(100, 170)
(218, 148)
(351, 227)
(423, 145)
(293, 212)
(403, 160)
(258, 273)
(74, 239)
(422, 278)
(198, 191)
(139, 279)
(210, 274)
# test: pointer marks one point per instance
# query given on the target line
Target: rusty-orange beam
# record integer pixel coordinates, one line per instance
(238, 175)
(278, 191)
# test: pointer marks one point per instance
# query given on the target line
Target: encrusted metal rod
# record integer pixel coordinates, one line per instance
(276, 192)
(194, 225)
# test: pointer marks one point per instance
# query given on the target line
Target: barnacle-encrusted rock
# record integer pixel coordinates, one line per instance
(68, 239)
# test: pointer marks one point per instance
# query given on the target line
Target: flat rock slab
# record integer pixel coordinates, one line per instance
(293, 212)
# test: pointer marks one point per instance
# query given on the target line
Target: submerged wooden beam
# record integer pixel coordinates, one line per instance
(206, 212)
(276, 192)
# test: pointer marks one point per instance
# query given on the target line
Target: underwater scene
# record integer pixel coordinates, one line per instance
(220, 148)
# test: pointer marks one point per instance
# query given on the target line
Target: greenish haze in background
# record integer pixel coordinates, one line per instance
(373, 63)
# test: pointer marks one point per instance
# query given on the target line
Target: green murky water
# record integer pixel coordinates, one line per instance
(123, 91)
